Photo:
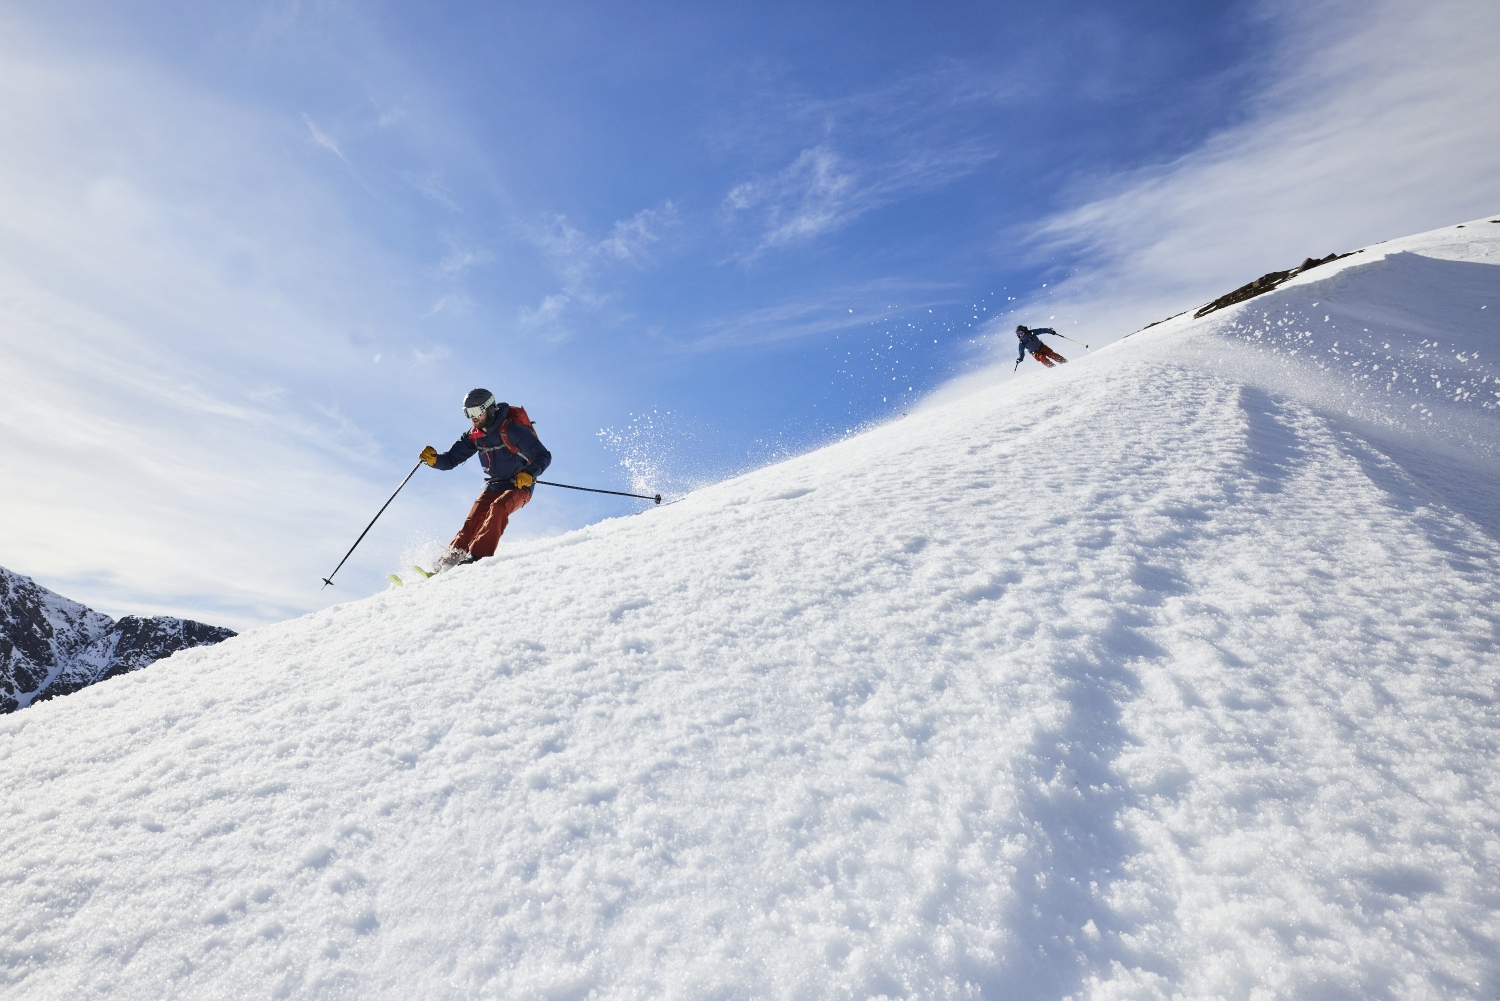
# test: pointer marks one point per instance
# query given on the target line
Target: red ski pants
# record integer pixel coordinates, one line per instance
(1047, 356)
(487, 520)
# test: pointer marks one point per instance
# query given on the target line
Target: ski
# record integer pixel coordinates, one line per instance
(401, 583)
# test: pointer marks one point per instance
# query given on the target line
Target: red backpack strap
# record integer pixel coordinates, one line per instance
(517, 414)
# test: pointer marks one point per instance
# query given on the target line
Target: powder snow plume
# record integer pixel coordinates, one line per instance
(658, 450)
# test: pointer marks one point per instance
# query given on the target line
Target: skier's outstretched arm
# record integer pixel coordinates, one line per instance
(455, 456)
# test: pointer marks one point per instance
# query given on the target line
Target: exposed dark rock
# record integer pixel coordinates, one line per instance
(1266, 283)
(1155, 322)
(50, 646)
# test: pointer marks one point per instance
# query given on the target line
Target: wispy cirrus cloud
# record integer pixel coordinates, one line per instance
(188, 315)
(583, 264)
(1380, 122)
(461, 259)
(848, 308)
(431, 185)
(868, 149)
(548, 316)
(323, 139)
(816, 192)
(630, 239)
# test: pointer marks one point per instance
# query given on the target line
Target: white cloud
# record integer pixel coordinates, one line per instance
(582, 264)
(323, 139)
(456, 302)
(816, 192)
(872, 148)
(187, 323)
(459, 260)
(630, 238)
(547, 315)
(792, 320)
(1382, 122)
(431, 186)
(822, 190)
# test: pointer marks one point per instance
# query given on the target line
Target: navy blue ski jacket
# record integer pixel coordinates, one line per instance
(505, 446)
(1030, 341)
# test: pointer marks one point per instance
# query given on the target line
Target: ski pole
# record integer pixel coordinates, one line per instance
(1067, 338)
(329, 579)
(596, 490)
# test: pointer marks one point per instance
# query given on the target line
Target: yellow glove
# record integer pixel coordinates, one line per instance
(429, 456)
(524, 480)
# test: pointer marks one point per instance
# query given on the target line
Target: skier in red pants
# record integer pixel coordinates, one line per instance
(1031, 342)
(512, 456)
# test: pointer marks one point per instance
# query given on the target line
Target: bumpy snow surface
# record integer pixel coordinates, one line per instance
(1169, 673)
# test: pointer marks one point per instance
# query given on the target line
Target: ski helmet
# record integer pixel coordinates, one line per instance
(1020, 328)
(479, 403)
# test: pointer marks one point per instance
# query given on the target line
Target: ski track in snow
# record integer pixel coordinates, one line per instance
(1171, 673)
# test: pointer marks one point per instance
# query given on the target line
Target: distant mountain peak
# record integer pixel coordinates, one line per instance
(51, 646)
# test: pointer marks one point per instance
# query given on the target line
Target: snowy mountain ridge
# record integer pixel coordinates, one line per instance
(1171, 672)
(51, 646)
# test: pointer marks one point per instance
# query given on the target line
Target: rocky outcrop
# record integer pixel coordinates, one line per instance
(1265, 283)
(51, 646)
(1260, 286)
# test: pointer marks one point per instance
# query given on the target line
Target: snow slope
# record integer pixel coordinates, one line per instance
(1169, 673)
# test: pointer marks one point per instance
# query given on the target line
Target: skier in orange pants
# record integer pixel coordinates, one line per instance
(512, 457)
(1031, 342)
(487, 519)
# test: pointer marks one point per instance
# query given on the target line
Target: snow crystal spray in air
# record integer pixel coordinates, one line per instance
(651, 451)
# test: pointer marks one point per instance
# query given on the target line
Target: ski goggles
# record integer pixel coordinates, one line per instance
(477, 413)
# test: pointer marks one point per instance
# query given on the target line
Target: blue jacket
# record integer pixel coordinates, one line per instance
(505, 446)
(1030, 341)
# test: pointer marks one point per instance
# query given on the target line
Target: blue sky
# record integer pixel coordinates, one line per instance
(251, 257)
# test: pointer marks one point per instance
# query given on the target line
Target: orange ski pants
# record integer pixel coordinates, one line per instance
(487, 520)
(1046, 356)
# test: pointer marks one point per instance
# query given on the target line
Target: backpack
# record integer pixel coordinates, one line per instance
(519, 416)
(516, 414)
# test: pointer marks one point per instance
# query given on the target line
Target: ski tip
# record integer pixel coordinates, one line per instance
(425, 573)
(395, 580)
